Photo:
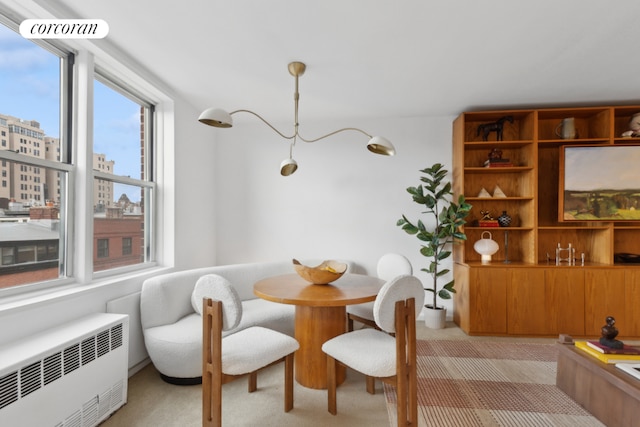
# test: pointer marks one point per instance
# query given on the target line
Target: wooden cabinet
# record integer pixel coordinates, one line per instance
(564, 293)
(632, 301)
(526, 297)
(540, 298)
(605, 295)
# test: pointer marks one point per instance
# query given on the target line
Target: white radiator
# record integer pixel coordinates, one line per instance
(72, 375)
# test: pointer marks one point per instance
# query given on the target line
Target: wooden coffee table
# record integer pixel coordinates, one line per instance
(320, 315)
(610, 394)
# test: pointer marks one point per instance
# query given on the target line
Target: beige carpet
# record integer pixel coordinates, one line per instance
(480, 383)
(154, 403)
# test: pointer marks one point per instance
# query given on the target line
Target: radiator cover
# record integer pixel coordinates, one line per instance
(74, 375)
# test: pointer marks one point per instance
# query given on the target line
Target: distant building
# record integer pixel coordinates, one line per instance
(29, 246)
(29, 211)
(34, 185)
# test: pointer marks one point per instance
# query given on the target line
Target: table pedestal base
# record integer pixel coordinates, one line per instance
(314, 326)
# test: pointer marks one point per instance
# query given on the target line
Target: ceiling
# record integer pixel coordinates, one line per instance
(379, 58)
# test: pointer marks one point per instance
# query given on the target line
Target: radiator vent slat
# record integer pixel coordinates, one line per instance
(71, 358)
(117, 395)
(30, 378)
(88, 350)
(103, 343)
(105, 403)
(90, 412)
(116, 336)
(73, 420)
(8, 389)
(50, 368)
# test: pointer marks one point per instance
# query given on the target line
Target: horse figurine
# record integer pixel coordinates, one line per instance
(494, 127)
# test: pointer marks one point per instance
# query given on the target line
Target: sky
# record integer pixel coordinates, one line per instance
(30, 90)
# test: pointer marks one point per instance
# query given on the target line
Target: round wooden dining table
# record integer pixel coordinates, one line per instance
(321, 314)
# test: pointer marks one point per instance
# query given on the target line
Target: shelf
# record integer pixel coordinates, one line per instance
(473, 227)
(574, 227)
(498, 144)
(482, 169)
(575, 141)
(627, 227)
(630, 141)
(499, 199)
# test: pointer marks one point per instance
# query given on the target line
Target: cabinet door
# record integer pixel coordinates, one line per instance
(604, 296)
(631, 326)
(487, 300)
(526, 302)
(564, 293)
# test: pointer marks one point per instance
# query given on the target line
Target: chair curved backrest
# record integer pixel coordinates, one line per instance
(399, 288)
(220, 289)
(392, 265)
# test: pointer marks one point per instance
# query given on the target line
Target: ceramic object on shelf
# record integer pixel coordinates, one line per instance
(486, 247)
(484, 193)
(498, 193)
(323, 274)
(504, 220)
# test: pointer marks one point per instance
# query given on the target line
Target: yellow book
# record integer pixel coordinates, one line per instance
(607, 358)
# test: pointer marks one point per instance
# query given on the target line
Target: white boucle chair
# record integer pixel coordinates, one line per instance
(389, 266)
(241, 353)
(377, 354)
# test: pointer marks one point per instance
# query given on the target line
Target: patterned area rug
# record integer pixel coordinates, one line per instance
(480, 383)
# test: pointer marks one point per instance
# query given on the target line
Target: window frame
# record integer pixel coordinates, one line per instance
(147, 182)
(75, 163)
(62, 166)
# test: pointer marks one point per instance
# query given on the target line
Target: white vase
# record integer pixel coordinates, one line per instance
(435, 319)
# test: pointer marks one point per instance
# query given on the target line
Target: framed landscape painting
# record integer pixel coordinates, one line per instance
(599, 183)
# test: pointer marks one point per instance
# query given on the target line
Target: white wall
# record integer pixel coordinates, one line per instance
(195, 202)
(342, 202)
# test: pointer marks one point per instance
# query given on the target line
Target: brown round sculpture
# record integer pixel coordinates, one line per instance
(322, 274)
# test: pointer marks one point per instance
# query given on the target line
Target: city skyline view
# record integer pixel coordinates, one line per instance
(30, 84)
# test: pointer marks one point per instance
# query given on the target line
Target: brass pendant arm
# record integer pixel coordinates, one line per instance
(265, 122)
(333, 133)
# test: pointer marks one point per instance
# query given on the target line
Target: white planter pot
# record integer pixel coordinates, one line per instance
(435, 319)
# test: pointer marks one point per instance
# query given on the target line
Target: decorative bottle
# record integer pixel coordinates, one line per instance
(504, 220)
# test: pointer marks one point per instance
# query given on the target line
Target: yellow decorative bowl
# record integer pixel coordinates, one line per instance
(322, 274)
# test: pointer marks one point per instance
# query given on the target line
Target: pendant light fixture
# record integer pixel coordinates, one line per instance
(221, 119)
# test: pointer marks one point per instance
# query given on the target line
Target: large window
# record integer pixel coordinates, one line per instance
(39, 180)
(33, 196)
(122, 167)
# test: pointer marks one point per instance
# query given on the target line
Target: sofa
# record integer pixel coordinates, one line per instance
(172, 328)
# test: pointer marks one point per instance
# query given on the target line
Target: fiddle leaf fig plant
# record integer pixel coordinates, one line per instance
(445, 219)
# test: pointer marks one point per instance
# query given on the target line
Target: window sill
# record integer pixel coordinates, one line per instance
(24, 300)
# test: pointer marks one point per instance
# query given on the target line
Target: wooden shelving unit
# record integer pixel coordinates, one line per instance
(531, 295)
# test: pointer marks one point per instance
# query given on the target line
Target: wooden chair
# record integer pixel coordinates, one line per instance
(377, 354)
(242, 353)
(389, 266)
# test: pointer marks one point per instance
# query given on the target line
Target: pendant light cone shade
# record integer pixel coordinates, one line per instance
(288, 167)
(381, 145)
(216, 117)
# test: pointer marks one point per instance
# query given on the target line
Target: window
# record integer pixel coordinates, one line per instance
(122, 167)
(37, 119)
(103, 248)
(29, 113)
(126, 246)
